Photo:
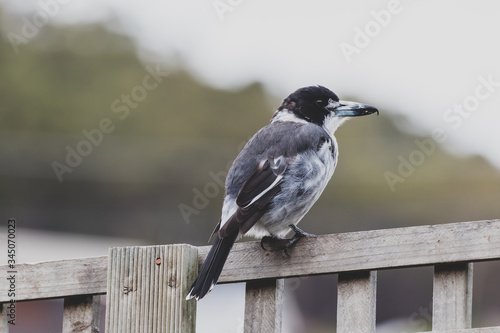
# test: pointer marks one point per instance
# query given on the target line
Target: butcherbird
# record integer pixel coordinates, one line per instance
(278, 176)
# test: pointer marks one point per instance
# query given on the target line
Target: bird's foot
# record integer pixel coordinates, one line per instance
(272, 243)
(300, 232)
(277, 244)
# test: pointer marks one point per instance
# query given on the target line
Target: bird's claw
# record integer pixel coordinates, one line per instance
(273, 243)
(277, 244)
(300, 232)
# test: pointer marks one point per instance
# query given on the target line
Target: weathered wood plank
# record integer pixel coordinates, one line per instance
(81, 314)
(264, 306)
(452, 296)
(356, 302)
(147, 287)
(58, 279)
(356, 251)
(365, 250)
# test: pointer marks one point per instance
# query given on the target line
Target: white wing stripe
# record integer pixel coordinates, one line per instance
(265, 191)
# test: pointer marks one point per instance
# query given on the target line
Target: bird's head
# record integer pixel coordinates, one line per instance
(320, 105)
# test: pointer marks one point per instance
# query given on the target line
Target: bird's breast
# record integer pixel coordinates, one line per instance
(305, 180)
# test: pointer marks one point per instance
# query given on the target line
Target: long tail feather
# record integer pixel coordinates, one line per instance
(212, 267)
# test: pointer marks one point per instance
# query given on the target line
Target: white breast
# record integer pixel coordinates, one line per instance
(306, 179)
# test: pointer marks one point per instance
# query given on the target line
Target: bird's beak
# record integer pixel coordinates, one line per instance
(353, 109)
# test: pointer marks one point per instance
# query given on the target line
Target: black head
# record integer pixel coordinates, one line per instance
(310, 103)
(319, 105)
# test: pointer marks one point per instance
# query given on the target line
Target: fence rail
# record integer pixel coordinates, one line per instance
(145, 286)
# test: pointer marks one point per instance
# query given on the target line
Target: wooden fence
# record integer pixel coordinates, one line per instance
(146, 286)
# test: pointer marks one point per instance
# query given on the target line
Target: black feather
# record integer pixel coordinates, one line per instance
(212, 267)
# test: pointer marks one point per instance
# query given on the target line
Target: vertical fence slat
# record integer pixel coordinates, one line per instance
(452, 296)
(81, 314)
(356, 302)
(264, 306)
(4, 311)
(151, 283)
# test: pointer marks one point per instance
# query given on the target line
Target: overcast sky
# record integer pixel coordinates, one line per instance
(436, 62)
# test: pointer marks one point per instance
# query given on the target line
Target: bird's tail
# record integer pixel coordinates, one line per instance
(212, 267)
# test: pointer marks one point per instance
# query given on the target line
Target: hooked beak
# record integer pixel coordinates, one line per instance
(353, 109)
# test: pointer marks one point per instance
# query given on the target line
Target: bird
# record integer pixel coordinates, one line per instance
(278, 176)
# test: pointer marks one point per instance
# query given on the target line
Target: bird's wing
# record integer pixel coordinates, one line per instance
(256, 195)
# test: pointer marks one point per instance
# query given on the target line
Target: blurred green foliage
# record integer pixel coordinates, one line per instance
(167, 140)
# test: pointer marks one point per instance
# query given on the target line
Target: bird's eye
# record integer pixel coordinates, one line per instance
(321, 103)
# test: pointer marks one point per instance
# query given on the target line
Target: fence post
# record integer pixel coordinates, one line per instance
(264, 306)
(356, 302)
(4, 325)
(452, 296)
(81, 314)
(147, 287)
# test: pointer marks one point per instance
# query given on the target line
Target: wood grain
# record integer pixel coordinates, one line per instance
(356, 302)
(355, 251)
(365, 250)
(58, 279)
(452, 296)
(263, 306)
(81, 314)
(147, 287)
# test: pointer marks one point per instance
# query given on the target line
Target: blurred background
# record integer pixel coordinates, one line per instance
(119, 120)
